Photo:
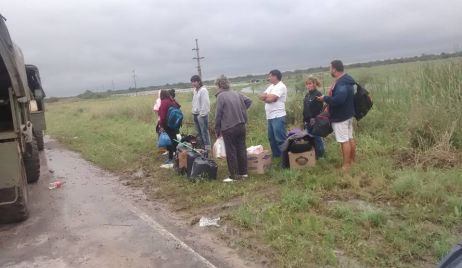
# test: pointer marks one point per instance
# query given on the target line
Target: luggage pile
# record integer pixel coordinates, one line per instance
(194, 162)
(298, 151)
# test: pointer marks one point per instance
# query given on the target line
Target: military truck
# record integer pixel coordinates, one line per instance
(19, 155)
(37, 104)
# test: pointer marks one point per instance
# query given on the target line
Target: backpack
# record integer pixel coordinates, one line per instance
(174, 117)
(362, 102)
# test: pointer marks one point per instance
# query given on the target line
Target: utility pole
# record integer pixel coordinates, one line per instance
(134, 81)
(198, 58)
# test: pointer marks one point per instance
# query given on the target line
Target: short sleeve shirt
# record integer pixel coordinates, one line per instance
(278, 108)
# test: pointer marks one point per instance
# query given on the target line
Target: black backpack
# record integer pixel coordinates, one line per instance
(362, 101)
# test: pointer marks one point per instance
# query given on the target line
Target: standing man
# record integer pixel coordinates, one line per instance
(200, 110)
(341, 110)
(230, 120)
(275, 97)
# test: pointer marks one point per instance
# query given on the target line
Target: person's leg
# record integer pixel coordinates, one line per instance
(353, 151)
(352, 141)
(271, 138)
(241, 149)
(171, 149)
(319, 146)
(230, 147)
(197, 125)
(204, 126)
(346, 153)
(280, 133)
(342, 137)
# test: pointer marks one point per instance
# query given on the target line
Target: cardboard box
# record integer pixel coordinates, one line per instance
(259, 163)
(302, 160)
(182, 159)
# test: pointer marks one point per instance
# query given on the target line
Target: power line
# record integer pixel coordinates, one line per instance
(198, 58)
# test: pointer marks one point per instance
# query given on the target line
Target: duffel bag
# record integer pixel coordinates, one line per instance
(322, 126)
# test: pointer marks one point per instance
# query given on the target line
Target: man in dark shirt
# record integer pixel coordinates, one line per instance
(341, 110)
(230, 120)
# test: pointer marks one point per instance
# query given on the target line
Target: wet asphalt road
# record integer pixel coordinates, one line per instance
(90, 222)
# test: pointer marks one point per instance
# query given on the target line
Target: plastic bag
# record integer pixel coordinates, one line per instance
(219, 150)
(164, 140)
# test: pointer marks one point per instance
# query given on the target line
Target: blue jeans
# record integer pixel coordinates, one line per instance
(318, 144)
(277, 134)
(202, 127)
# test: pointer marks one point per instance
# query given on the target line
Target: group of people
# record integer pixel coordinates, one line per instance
(231, 116)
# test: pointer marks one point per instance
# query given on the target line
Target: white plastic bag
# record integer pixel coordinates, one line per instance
(219, 150)
(257, 149)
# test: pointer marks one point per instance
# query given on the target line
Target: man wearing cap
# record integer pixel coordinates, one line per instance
(200, 110)
(274, 98)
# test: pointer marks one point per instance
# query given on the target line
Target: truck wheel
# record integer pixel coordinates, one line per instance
(32, 161)
(39, 136)
(18, 210)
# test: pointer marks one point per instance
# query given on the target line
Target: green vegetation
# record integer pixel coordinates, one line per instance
(401, 206)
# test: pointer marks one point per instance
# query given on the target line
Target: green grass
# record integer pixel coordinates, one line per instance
(401, 206)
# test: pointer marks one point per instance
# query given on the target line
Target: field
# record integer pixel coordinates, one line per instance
(401, 206)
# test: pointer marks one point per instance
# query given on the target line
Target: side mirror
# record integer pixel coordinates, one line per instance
(38, 93)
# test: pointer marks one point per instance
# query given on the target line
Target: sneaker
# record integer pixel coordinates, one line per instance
(228, 180)
(245, 176)
(167, 166)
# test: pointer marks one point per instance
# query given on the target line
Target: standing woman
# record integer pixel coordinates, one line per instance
(312, 107)
(167, 101)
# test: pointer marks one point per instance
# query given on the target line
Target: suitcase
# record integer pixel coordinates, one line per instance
(204, 168)
(184, 160)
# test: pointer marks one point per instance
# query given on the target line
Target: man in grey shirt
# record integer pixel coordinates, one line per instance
(230, 120)
(200, 110)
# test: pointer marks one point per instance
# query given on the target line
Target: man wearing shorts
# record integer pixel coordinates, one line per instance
(341, 110)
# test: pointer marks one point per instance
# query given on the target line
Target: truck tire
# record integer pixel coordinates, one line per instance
(32, 161)
(17, 211)
(39, 136)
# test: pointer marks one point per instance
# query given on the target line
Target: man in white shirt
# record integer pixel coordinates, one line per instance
(200, 110)
(275, 97)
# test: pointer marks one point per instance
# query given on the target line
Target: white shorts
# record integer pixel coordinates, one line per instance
(343, 130)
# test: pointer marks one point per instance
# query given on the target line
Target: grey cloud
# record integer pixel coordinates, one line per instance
(81, 45)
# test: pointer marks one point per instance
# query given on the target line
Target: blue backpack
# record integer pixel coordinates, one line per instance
(174, 118)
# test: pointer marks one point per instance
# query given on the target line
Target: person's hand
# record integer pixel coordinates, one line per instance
(161, 129)
(320, 98)
(262, 96)
(312, 121)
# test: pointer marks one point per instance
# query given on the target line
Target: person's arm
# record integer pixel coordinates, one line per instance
(270, 98)
(338, 98)
(218, 116)
(204, 103)
(275, 94)
(317, 106)
(246, 100)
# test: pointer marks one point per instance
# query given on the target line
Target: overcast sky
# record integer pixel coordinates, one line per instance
(87, 44)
